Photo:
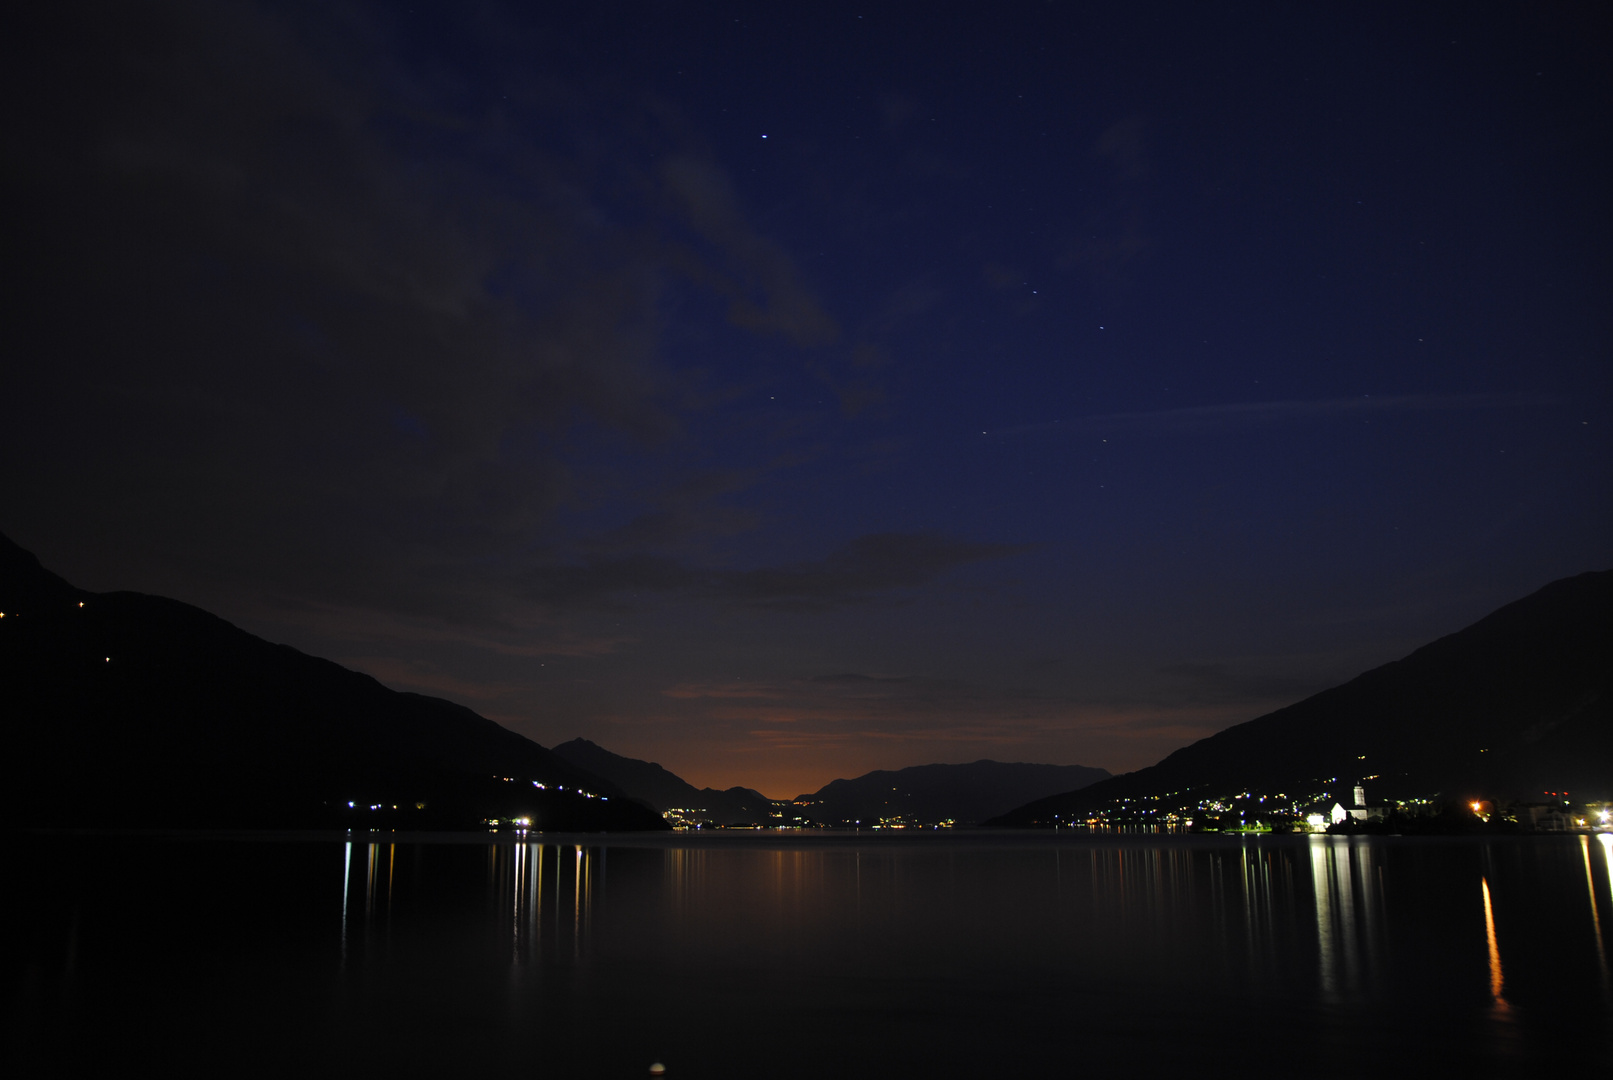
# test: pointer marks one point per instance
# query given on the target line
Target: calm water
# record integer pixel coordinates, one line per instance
(782, 956)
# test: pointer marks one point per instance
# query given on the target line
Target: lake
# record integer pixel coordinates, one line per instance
(804, 955)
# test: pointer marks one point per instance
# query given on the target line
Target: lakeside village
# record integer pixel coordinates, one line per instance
(799, 814)
(1319, 811)
(1323, 811)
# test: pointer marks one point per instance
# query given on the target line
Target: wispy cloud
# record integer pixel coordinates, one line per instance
(426, 309)
(867, 567)
(1246, 414)
(763, 287)
(750, 691)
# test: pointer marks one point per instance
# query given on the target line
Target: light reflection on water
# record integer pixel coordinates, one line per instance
(1590, 894)
(1347, 895)
(1497, 978)
(1244, 900)
(940, 953)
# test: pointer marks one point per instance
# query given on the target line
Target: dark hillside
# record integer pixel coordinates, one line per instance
(1515, 705)
(126, 709)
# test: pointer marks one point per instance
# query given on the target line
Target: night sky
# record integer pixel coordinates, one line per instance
(783, 395)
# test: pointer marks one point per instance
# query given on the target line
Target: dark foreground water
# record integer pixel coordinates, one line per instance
(972, 954)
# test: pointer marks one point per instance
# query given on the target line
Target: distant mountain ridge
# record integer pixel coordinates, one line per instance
(126, 709)
(1517, 704)
(648, 782)
(965, 794)
(962, 794)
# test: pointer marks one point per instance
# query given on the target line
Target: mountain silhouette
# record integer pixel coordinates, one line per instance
(122, 709)
(962, 794)
(1515, 706)
(650, 783)
(925, 794)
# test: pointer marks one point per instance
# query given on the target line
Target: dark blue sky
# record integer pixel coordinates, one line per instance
(785, 395)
